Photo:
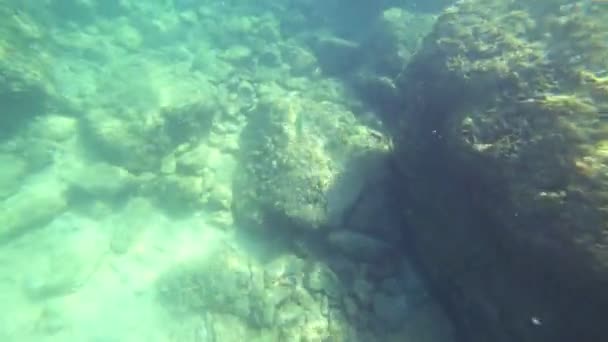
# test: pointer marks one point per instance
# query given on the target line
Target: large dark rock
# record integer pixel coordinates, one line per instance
(505, 152)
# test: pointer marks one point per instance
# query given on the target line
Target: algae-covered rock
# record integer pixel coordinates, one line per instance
(321, 279)
(161, 112)
(508, 96)
(358, 246)
(303, 162)
(126, 141)
(24, 87)
(394, 37)
(179, 194)
(53, 128)
(222, 284)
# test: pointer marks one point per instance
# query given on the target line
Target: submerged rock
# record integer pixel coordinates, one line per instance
(30, 209)
(321, 279)
(358, 246)
(303, 162)
(504, 158)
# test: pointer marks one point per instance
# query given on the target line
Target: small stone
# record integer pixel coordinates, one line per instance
(98, 179)
(357, 245)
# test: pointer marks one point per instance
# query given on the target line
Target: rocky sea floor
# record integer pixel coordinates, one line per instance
(135, 274)
(89, 269)
(121, 219)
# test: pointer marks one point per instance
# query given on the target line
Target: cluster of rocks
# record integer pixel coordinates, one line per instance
(290, 298)
(228, 118)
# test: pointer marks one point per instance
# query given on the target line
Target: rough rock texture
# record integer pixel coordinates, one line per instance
(304, 161)
(504, 145)
(286, 295)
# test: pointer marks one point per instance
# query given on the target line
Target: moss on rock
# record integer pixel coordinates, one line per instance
(303, 161)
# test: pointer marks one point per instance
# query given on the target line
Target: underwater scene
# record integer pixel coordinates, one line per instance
(304, 170)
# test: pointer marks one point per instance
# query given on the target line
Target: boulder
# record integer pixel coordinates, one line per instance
(303, 162)
(504, 149)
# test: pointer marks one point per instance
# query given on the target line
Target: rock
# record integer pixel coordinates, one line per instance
(219, 197)
(31, 208)
(395, 36)
(222, 284)
(192, 119)
(336, 55)
(302, 61)
(289, 316)
(98, 180)
(391, 311)
(238, 54)
(178, 194)
(276, 185)
(321, 279)
(128, 36)
(23, 88)
(53, 127)
(286, 271)
(122, 140)
(359, 246)
(195, 160)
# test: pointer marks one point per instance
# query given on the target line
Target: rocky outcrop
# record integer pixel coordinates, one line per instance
(304, 162)
(503, 141)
